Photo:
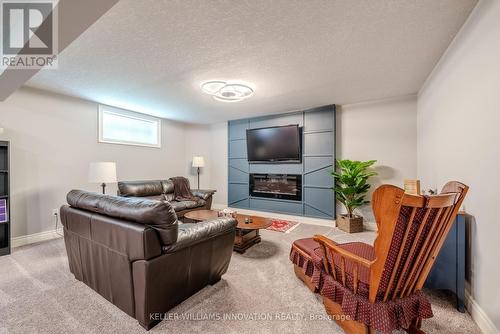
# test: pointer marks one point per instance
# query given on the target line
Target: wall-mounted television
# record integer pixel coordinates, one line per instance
(277, 144)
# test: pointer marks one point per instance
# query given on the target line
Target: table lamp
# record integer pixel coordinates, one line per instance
(198, 162)
(102, 172)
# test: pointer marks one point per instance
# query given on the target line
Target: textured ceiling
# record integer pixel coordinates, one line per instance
(151, 56)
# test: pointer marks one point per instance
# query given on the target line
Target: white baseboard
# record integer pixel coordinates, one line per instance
(479, 316)
(301, 219)
(35, 237)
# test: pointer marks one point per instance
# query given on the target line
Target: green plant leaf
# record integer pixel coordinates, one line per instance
(351, 182)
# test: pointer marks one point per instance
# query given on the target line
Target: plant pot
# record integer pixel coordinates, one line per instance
(350, 225)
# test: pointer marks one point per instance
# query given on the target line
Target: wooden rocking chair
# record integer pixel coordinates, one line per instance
(380, 286)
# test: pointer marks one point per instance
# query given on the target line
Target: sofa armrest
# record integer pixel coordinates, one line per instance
(132, 240)
(191, 234)
(203, 194)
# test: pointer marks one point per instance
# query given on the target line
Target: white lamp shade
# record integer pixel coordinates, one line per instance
(1, 130)
(102, 172)
(198, 162)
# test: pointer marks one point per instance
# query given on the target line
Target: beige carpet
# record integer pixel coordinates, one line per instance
(39, 295)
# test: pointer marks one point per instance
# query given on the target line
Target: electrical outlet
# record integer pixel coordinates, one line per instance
(55, 212)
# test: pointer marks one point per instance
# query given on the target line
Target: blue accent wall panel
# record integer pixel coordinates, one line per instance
(237, 176)
(243, 204)
(318, 156)
(317, 171)
(312, 164)
(272, 205)
(238, 129)
(319, 199)
(320, 178)
(239, 163)
(277, 120)
(238, 193)
(312, 212)
(318, 143)
(238, 149)
(276, 168)
(318, 120)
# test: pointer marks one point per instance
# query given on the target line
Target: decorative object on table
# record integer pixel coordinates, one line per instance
(4, 198)
(227, 213)
(198, 162)
(102, 172)
(283, 226)
(351, 186)
(412, 187)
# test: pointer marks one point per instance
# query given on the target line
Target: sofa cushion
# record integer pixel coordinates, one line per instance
(140, 188)
(155, 197)
(185, 205)
(157, 214)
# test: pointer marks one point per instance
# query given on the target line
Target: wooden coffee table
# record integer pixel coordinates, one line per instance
(247, 234)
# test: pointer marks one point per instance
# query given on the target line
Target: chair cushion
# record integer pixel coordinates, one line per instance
(307, 245)
(311, 247)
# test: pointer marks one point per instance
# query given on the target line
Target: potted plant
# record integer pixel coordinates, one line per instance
(351, 186)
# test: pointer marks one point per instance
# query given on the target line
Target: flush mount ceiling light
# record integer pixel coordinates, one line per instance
(227, 91)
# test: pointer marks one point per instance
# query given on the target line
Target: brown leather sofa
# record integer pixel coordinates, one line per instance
(134, 252)
(163, 190)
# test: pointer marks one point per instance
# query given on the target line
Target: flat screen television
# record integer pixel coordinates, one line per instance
(274, 144)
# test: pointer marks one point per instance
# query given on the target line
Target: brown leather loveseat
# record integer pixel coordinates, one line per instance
(134, 252)
(163, 190)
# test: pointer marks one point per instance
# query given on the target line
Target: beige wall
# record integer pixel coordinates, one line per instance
(53, 140)
(458, 139)
(209, 141)
(197, 143)
(219, 178)
(385, 131)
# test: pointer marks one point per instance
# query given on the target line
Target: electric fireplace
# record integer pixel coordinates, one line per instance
(282, 186)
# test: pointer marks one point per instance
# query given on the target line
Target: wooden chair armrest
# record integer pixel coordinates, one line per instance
(343, 252)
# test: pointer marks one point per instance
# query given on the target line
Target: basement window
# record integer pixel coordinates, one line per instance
(119, 126)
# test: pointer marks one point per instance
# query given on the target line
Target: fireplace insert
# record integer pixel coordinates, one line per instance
(282, 186)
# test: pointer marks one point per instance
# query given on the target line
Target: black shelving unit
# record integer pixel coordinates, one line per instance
(4, 195)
